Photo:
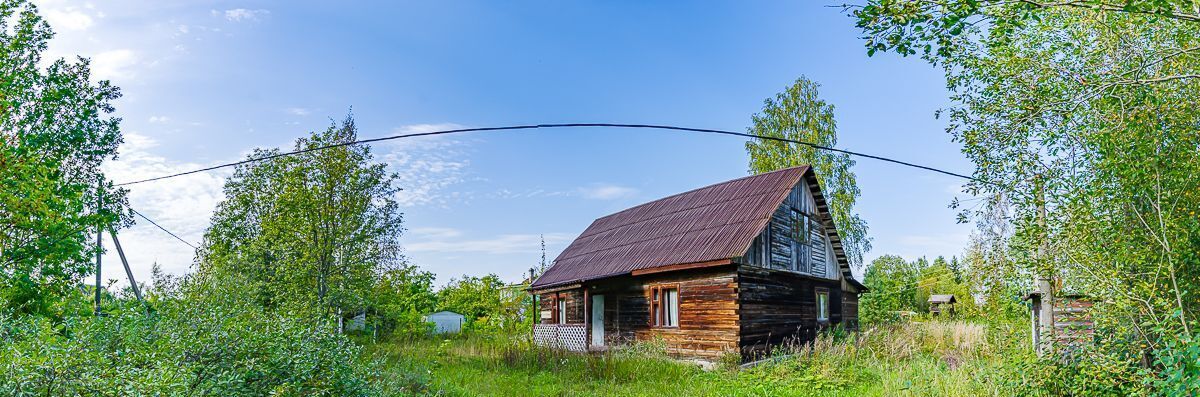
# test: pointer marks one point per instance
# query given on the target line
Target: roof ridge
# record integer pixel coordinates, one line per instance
(681, 194)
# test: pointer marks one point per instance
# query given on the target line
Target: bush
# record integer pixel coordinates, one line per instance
(183, 348)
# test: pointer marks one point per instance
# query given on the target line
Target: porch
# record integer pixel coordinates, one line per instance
(572, 319)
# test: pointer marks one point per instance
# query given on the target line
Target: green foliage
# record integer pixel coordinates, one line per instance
(400, 299)
(898, 286)
(1080, 119)
(310, 232)
(800, 114)
(1180, 364)
(892, 282)
(933, 358)
(55, 130)
(484, 302)
(183, 348)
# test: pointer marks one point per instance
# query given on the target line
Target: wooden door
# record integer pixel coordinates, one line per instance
(597, 320)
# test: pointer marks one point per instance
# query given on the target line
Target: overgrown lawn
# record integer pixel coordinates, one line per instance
(931, 358)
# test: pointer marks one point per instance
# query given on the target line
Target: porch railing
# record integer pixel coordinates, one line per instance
(571, 337)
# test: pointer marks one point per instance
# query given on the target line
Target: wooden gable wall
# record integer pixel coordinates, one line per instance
(777, 247)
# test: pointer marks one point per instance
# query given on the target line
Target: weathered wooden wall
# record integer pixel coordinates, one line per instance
(850, 310)
(780, 306)
(574, 298)
(708, 311)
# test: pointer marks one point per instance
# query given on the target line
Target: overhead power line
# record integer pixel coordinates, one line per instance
(163, 229)
(562, 125)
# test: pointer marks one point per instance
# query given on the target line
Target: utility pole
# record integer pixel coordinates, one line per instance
(137, 291)
(1043, 276)
(534, 315)
(99, 242)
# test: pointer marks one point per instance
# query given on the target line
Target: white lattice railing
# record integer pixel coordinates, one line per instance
(572, 337)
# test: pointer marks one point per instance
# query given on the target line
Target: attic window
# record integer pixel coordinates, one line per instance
(664, 306)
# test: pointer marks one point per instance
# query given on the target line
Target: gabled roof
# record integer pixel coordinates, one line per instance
(711, 223)
(942, 299)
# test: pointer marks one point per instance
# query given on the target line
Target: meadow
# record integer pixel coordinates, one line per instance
(952, 358)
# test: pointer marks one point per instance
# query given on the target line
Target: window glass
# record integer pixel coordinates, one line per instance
(822, 306)
(664, 307)
(671, 308)
(562, 311)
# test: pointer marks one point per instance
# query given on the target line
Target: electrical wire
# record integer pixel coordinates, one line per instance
(562, 125)
(152, 222)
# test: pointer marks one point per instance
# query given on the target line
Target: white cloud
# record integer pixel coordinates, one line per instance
(603, 191)
(427, 167)
(450, 241)
(297, 111)
(242, 14)
(67, 18)
(182, 205)
(159, 119)
(434, 232)
(114, 64)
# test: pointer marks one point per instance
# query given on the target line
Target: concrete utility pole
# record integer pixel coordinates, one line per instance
(137, 291)
(1044, 276)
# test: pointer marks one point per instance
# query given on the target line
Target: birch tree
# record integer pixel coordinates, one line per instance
(799, 113)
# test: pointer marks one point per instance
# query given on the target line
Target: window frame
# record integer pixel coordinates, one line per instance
(658, 312)
(822, 307)
(558, 315)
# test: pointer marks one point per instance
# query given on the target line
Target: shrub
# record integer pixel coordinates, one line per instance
(180, 349)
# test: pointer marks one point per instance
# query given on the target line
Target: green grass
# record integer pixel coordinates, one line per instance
(942, 359)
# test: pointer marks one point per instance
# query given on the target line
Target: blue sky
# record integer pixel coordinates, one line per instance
(206, 82)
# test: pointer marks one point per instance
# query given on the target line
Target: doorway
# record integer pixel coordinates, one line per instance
(597, 320)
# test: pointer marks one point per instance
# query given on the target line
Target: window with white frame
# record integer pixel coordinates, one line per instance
(822, 305)
(561, 308)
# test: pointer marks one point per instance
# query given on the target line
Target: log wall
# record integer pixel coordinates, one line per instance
(574, 298)
(708, 311)
(781, 307)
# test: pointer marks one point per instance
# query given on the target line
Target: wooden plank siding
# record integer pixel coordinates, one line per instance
(708, 311)
(781, 307)
(574, 310)
(850, 310)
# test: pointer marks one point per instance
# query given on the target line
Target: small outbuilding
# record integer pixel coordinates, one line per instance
(939, 304)
(446, 322)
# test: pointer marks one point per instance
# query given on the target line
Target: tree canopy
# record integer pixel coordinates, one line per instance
(55, 128)
(799, 113)
(312, 231)
(1080, 119)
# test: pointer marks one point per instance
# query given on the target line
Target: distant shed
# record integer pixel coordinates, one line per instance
(446, 322)
(939, 304)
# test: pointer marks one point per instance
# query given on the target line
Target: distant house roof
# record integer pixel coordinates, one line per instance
(710, 223)
(444, 313)
(942, 299)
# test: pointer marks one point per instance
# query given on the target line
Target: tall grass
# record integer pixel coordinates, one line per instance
(931, 358)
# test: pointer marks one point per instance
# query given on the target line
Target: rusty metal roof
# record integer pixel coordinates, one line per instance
(710, 223)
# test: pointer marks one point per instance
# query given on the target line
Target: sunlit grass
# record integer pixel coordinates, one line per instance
(934, 358)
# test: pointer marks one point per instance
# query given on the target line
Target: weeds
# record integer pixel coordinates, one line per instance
(930, 358)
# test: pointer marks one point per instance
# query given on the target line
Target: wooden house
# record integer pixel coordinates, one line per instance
(941, 304)
(735, 267)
